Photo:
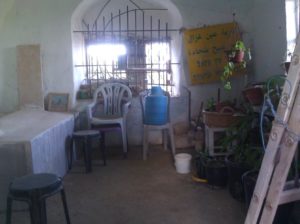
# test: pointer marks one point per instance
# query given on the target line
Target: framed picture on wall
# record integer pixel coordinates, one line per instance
(58, 102)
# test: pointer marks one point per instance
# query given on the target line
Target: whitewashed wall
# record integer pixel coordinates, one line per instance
(50, 24)
(269, 35)
(47, 23)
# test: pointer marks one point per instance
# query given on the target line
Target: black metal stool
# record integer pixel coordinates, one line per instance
(34, 189)
(87, 136)
(105, 128)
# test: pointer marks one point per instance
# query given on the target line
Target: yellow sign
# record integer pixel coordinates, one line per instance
(206, 48)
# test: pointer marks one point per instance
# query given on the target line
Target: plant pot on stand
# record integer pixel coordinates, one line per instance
(239, 56)
(200, 167)
(235, 173)
(254, 95)
(216, 172)
(283, 212)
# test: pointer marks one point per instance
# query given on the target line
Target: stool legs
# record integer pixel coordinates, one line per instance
(86, 141)
(35, 189)
(63, 198)
(38, 211)
(210, 141)
(31, 211)
(102, 147)
(8, 210)
(87, 153)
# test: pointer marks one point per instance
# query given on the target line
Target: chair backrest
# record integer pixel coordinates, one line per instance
(146, 93)
(112, 96)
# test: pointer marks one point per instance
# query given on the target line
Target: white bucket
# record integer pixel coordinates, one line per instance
(183, 163)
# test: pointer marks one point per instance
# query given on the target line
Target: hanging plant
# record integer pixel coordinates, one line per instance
(235, 59)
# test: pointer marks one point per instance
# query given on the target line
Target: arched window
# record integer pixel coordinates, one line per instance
(132, 44)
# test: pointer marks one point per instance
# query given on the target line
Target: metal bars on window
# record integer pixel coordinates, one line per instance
(146, 60)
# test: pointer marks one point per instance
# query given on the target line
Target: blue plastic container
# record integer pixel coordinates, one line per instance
(156, 107)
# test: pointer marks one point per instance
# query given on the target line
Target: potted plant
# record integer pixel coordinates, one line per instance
(284, 211)
(200, 160)
(216, 172)
(235, 60)
(246, 150)
(213, 169)
(220, 114)
(254, 93)
(272, 88)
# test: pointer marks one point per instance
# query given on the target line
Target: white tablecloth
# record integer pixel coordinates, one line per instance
(32, 141)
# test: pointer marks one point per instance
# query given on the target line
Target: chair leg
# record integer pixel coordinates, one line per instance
(171, 134)
(8, 210)
(102, 147)
(124, 138)
(165, 139)
(64, 201)
(145, 142)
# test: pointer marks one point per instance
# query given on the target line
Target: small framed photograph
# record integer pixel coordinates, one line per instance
(58, 102)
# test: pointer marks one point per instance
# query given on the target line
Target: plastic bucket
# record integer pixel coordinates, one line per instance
(183, 163)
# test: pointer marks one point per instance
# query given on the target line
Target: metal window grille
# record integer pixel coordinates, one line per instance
(147, 61)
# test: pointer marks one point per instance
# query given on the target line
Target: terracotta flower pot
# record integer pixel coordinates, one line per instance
(239, 56)
(254, 95)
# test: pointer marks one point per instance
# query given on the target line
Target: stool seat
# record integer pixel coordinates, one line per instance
(34, 189)
(85, 133)
(42, 183)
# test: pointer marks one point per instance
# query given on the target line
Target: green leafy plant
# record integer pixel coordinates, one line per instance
(211, 104)
(236, 60)
(239, 45)
(228, 71)
(273, 88)
(243, 139)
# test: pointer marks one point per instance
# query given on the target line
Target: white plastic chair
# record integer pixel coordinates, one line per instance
(166, 128)
(110, 106)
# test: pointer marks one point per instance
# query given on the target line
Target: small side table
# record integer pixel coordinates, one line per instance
(86, 136)
(210, 140)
